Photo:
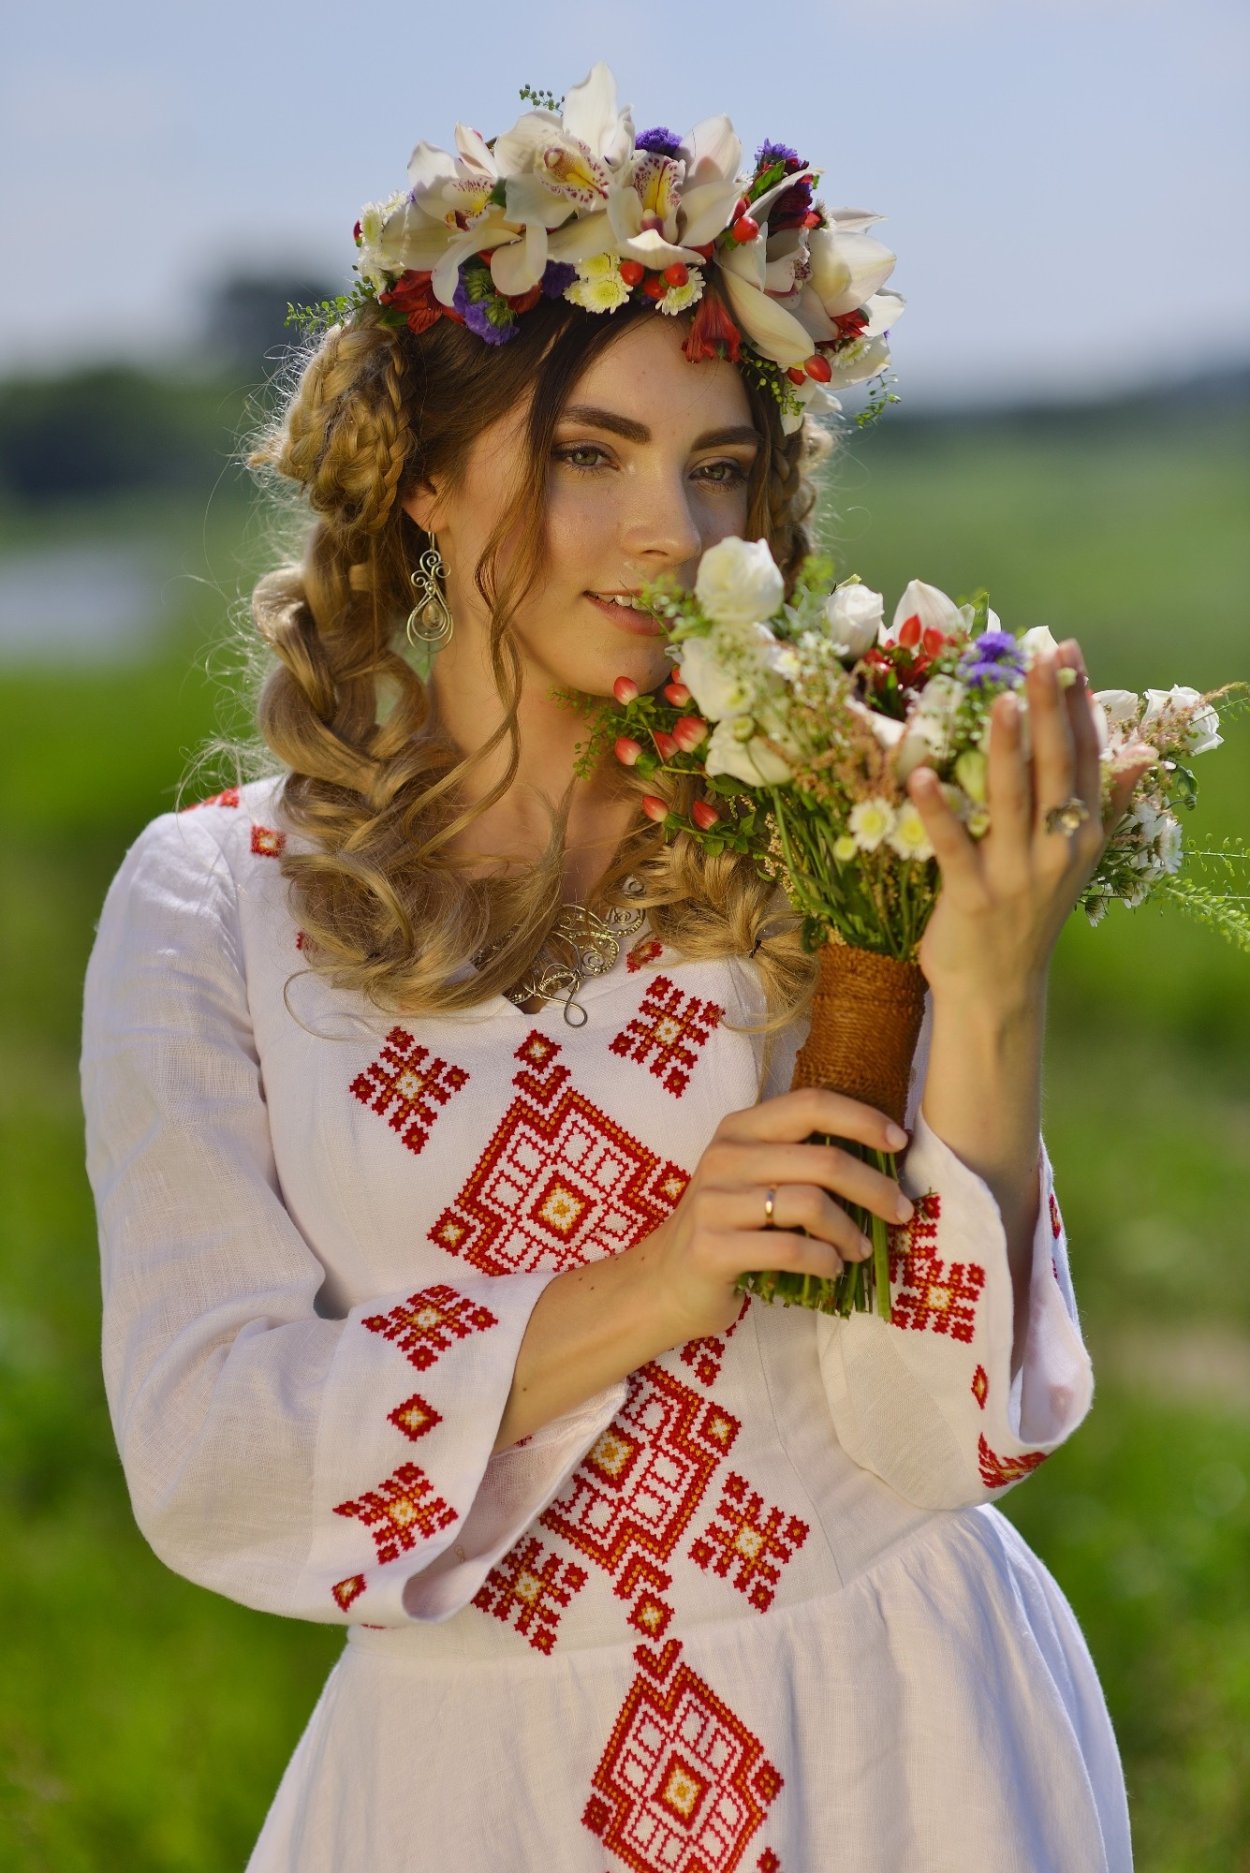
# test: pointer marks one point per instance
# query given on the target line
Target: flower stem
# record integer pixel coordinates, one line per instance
(862, 1287)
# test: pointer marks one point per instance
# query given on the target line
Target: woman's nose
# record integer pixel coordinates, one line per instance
(662, 527)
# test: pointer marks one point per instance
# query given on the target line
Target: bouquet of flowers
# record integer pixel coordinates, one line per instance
(800, 722)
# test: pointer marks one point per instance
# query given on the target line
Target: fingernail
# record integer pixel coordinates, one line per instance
(865, 1245)
(895, 1137)
(904, 1210)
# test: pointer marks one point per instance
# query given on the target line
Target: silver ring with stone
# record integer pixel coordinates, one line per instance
(1067, 818)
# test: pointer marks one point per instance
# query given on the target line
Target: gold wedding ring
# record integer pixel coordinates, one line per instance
(1068, 817)
(769, 1204)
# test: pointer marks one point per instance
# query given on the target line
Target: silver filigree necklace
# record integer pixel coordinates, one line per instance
(581, 943)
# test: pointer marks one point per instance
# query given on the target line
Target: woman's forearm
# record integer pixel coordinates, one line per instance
(982, 1096)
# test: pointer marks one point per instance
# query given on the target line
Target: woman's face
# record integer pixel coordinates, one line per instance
(649, 467)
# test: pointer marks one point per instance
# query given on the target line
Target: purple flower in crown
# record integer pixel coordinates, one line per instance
(556, 277)
(770, 153)
(483, 310)
(658, 142)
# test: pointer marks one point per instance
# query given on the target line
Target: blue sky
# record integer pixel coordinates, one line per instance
(1065, 181)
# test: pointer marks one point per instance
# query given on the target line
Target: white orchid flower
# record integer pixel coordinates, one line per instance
(847, 268)
(553, 167)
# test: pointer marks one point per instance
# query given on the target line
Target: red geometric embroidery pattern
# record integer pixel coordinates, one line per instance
(768, 1862)
(345, 1591)
(704, 1356)
(933, 1293)
(559, 1183)
(415, 1417)
(1056, 1222)
(682, 1785)
(425, 1324)
(630, 1500)
(229, 796)
(757, 1544)
(642, 953)
(676, 1026)
(997, 1471)
(399, 1078)
(650, 1615)
(397, 1513)
(536, 1584)
(980, 1386)
(267, 842)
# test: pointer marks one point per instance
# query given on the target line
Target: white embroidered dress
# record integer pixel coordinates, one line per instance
(747, 1609)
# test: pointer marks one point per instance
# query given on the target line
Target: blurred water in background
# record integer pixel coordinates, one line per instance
(96, 602)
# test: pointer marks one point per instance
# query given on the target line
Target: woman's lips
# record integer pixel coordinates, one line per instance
(638, 623)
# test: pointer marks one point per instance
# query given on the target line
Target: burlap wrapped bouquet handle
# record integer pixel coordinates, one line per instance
(866, 1015)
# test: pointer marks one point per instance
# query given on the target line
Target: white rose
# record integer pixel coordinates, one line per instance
(725, 670)
(1202, 728)
(854, 615)
(739, 582)
(752, 760)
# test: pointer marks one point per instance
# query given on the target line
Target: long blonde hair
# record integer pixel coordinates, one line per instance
(387, 908)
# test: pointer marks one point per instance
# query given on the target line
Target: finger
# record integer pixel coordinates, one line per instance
(786, 1251)
(1053, 754)
(756, 1169)
(794, 1116)
(798, 1208)
(955, 852)
(1081, 723)
(1009, 795)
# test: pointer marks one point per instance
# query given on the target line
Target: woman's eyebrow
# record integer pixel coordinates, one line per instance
(625, 426)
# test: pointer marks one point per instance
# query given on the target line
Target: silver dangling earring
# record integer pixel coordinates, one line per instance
(430, 623)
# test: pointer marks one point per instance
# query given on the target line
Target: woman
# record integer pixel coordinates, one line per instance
(424, 1096)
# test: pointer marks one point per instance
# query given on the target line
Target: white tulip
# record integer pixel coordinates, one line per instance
(933, 608)
(739, 582)
(752, 760)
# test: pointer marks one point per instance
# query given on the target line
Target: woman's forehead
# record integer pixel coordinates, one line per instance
(646, 376)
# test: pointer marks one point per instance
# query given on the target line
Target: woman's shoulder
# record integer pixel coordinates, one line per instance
(205, 850)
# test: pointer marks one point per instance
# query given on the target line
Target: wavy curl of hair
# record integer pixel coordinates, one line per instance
(387, 907)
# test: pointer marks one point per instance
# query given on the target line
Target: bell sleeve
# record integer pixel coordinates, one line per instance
(931, 1401)
(333, 1469)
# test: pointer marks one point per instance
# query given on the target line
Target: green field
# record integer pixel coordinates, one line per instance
(145, 1723)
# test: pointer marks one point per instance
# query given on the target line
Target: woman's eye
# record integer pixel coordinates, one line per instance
(582, 455)
(723, 474)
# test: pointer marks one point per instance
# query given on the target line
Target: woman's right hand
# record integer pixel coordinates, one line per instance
(720, 1229)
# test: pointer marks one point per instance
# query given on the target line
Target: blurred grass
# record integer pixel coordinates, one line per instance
(123, 1680)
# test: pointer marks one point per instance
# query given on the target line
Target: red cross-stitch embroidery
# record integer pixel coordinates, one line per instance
(267, 841)
(535, 1585)
(229, 796)
(406, 1087)
(398, 1514)
(704, 1356)
(648, 952)
(631, 1498)
(980, 1386)
(415, 1417)
(929, 1292)
(682, 1785)
(997, 1471)
(425, 1324)
(745, 1538)
(768, 1862)
(650, 1615)
(671, 1025)
(1056, 1222)
(345, 1591)
(559, 1184)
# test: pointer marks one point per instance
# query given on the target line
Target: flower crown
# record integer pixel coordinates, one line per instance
(571, 203)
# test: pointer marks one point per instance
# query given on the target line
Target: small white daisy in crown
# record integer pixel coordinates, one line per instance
(572, 203)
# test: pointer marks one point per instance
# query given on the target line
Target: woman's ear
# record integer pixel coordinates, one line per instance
(423, 506)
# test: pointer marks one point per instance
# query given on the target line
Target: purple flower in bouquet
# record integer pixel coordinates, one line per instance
(994, 657)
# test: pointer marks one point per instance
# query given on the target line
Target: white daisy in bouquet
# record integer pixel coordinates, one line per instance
(800, 720)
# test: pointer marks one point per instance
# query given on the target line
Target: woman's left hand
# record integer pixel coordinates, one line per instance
(1004, 898)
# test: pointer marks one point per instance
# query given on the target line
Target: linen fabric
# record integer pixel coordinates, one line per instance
(749, 1608)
